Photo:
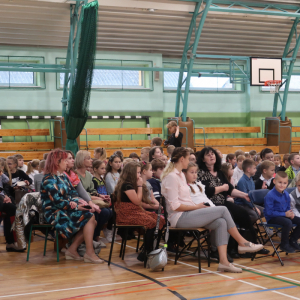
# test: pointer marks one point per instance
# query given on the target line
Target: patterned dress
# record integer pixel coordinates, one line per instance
(56, 193)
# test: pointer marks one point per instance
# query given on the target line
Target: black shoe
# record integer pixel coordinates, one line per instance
(14, 249)
(287, 248)
(142, 256)
(295, 245)
(234, 254)
(263, 251)
(246, 255)
(229, 258)
(214, 255)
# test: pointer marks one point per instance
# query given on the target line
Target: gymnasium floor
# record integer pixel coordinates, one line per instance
(44, 278)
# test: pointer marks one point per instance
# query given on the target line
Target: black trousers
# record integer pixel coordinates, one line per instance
(242, 218)
(7, 210)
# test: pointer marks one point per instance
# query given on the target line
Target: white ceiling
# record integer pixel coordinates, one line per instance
(128, 25)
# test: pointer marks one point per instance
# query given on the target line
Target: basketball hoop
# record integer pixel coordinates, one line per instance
(274, 85)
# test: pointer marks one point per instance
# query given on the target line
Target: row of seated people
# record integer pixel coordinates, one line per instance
(130, 189)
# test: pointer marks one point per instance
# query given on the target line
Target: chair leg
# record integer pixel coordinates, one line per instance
(46, 236)
(124, 247)
(57, 245)
(138, 242)
(177, 248)
(208, 249)
(29, 242)
(199, 257)
(112, 245)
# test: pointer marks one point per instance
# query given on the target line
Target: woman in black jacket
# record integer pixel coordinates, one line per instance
(217, 188)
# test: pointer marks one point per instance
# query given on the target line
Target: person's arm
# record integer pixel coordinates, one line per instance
(293, 206)
(135, 197)
(239, 194)
(82, 192)
(270, 209)
(177, 132)
(109, 183)
(4, 178)
(25, 176)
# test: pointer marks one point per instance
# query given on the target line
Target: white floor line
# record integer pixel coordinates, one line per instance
(289, 296)
(286, 278)
(77, 288)
(245, 282)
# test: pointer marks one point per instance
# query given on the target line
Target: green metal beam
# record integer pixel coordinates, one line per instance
(185, 58)
(291, 67)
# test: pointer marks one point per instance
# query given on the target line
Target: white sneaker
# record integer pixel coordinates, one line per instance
(108, 234)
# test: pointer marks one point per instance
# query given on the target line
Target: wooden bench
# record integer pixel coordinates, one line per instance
(230, 145)
(117, 144)
(29, 150)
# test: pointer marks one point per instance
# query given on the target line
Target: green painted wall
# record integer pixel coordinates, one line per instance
(207, 109)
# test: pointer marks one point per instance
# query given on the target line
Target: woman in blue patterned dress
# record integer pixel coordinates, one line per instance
(65, 210)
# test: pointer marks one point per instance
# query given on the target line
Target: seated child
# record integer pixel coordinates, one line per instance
(99, 169)
(278, 211)
(21, 165)
(231, 158)
(252, 153)
(170, 150)
(32, 170)
(164, 158)
(295, 197)
(227, 170)
(247, 155)
(100, 153)
(294, 168)
(246, 184)
(176, 136)
(286, 163)
(277, 161)
(148, 201)
(197, 189)
(145, 153)
(38, 178)
(238, 171)
(265, 180)
(157, 141)
(257, 159)
(134, 156)
(157, 168)
(265, 154)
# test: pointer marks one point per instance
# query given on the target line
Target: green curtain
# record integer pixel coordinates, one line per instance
(78, 108)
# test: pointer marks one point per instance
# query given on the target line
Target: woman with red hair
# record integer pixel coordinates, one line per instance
(65, 210)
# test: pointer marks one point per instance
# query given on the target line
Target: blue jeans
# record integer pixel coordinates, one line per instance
(287, 225)
(102, 218)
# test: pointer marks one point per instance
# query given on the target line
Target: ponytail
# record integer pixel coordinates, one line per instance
(32, 165)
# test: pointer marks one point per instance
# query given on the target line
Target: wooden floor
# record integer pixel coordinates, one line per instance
(44, 278)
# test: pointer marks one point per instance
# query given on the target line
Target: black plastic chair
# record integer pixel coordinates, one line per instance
(124, 236)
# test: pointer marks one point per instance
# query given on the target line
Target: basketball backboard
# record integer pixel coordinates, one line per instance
(263, 69)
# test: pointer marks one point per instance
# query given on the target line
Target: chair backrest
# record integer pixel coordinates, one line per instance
(258, 196)
(289, 190)
(290, 180)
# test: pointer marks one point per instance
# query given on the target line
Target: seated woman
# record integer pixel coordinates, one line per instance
(7, 209)
(184, 213)
(83, 161)
(128, 196)
(63, 210)
(217, 189)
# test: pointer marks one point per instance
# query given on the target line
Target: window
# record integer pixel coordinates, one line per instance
(117, 79)
(209, 80)
(32, 80)
(294, 85)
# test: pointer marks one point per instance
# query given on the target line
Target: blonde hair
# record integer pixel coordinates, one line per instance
(170, 149)
(127, 160)
(147, 149)
(4, 167)
(102, 152)
(146, 195)
(172, 124)
(176, 155)
(241, 158)
(192, 165)
(32, 165)
(80, 157)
